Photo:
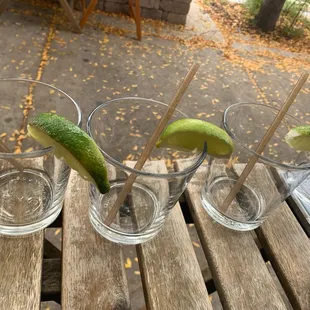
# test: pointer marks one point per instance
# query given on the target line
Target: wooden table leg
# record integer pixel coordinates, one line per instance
(70, 15)
(138, 19)
(88, 11)
(131, 11)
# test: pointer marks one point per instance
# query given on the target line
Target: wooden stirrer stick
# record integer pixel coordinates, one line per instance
(289, 100)
(151, 143)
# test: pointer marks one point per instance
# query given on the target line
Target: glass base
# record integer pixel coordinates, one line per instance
(137, 220)
(17, 231)
(116, 237)
(26, 204)
(225, 220)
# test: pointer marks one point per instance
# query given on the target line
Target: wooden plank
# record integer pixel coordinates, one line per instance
(69, 14)
(51, 276)
(20, 272)
(288, 248)
(239, 271)
(171, 275)
(93, 269)
(21, 265)
(287, 245)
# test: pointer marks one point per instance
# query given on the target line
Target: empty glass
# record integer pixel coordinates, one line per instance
(121, 128)
(277, 172)
(32, 180)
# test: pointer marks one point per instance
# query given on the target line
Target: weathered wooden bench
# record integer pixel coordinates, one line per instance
(89, 273)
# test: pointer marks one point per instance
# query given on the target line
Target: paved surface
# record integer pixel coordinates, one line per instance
(107, 62)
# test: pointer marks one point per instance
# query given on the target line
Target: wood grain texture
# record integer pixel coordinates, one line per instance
(239, 271)
(287, 246)
(21, 261)
(93, 269)
(51, 276)
(20, 272)
(171, 276)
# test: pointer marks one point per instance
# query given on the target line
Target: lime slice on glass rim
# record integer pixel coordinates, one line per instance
(299, 138)
(72, 144)
(188, 134)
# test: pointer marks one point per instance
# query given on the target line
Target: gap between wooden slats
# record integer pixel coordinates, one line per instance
(239, 271)
(171, 275)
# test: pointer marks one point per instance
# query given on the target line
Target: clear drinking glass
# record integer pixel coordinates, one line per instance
(121, 128)
(302, 192)
(277, 172)
(32, 180)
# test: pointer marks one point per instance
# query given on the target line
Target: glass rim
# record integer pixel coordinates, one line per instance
(199, 158)
(240, 142)
(46, 150)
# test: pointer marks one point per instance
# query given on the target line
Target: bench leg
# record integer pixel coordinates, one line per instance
(70, 15)
(88, 11)
(138, 20)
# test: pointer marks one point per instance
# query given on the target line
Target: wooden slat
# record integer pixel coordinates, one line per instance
(20, 272)
(93, 275)
(288, 248)
(171, 276)
(21, 265)
(287, 245)
(239, 271)
(51, 276)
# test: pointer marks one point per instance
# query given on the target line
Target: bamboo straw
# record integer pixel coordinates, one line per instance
(151, 143)
(289, 100)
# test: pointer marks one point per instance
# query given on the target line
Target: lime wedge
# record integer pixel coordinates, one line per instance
(299, 138)
(189, 134)
(72, 144)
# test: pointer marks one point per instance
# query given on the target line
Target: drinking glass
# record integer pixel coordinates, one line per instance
(121, 128)
(32, 180)
(277, 172)
(302, 193)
